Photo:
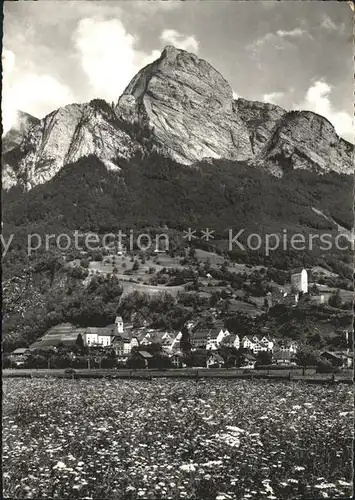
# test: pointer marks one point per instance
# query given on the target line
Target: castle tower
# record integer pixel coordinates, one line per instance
(119, 324)
(299, 280)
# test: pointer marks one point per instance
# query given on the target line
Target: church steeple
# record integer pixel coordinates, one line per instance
(119, 324)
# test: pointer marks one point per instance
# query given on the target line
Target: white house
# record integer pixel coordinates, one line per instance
(175, 344)
(223, 334)
(123, 345)
(247, 343)
(236, 342)
(215, 360)
(266, 344)
(211, 344)
(299, 280)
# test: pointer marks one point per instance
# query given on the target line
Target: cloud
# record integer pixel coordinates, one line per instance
(155, 54)
(26, 91)
(109, 56)
(296, 32)
(330, 26)
(179, 40)
(8, 112)
(273, 97)
(318, 100)
(277, 39)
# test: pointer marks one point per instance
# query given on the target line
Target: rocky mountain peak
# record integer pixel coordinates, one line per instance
(182, 106)
(190, 107)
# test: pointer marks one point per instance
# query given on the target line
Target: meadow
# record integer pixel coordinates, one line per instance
(176, 439)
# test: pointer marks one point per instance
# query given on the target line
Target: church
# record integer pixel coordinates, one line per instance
(103, 336)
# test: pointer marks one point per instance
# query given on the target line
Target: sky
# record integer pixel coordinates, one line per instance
(297, 54)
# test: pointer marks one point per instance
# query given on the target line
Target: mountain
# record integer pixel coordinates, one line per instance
(64, 136)
(18, 131)
(182, 107)
(190, 107)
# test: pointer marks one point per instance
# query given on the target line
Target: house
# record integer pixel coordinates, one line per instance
(177, 360)
(250, 361)
(299, 280)
(247, 343)
(211, 343)
(19, 355)
(146, 356)
(347, 357)
(236, 341)
(291, 299)
(333, 358)
(266, 343)
(231, 340)
(123, 344)
(256, 344)
(21, 351)
(165, 339)
(174, 345)
(199, 337)
(339, 358)
(215, 338)
(214, 360)
(282, 356)
(222, 336)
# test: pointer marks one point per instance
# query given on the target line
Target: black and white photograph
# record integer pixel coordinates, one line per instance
(177, 250)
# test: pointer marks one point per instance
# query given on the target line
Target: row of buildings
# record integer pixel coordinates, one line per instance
(123, 339)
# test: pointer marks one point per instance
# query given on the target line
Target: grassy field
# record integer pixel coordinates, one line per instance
(169, 439)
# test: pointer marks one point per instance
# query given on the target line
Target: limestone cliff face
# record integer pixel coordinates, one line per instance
(63, 137)
(261, 119)
(182, 106)
(190, 107)
(305, 140)
(14, 137)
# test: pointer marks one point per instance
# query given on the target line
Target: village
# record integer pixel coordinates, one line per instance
(198, 344)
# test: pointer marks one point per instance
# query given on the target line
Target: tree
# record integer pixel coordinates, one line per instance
(192, 252)
(185, 343)
(263, 358)
(78, 273)
(229, 355)
(240, 357)
(80, 343)
(335, 299)
(307, 356)
(135, 361)
(84, 263)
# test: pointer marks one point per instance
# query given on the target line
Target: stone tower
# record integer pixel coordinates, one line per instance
(119, 324)
(299, 280)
